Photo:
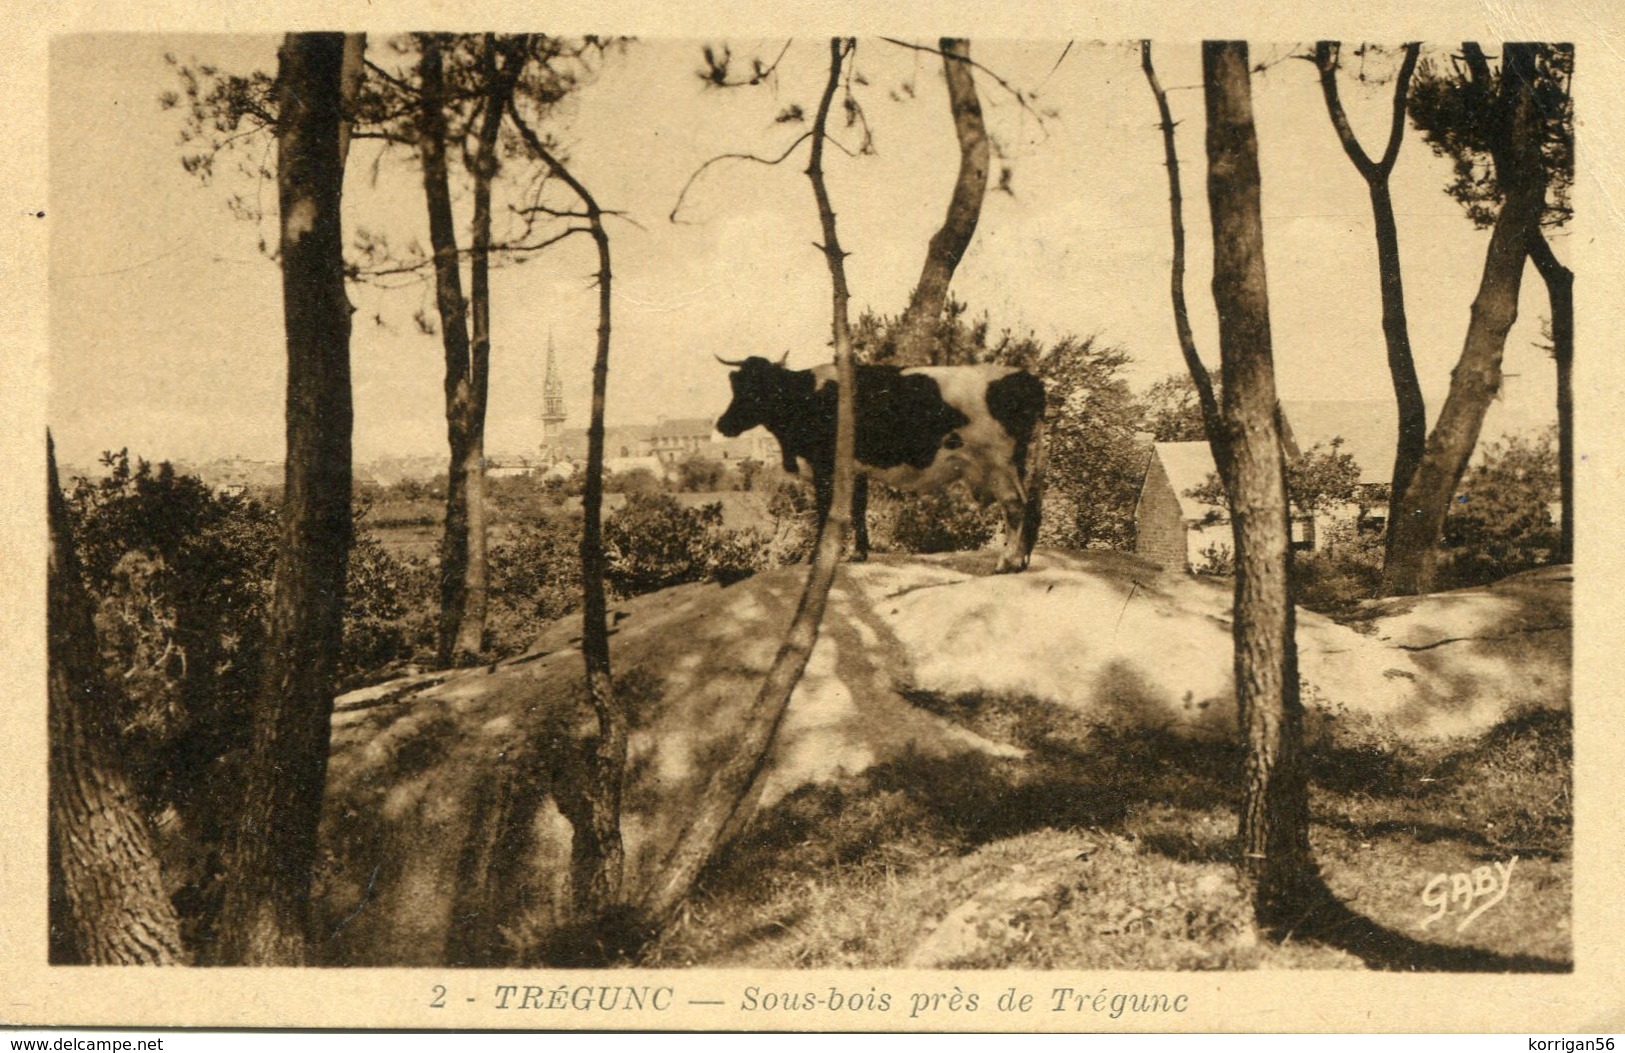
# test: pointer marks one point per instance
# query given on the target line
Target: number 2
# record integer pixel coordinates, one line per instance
(439, 997)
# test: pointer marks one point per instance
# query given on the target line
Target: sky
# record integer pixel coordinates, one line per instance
(165, 318)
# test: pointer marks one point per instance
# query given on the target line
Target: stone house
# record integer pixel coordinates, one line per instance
(1177, 531)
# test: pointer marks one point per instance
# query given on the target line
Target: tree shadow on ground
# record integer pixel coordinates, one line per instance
(1324, 918)
(1159, 788)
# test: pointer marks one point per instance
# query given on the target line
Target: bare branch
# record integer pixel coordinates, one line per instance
(537, 246)
(1064, 53)
(1402, 84)
(1326, 61)
(1182, 323)
(548, 158)
(854, 111)
(1326, 52)
(548, 210)
(1021, 98)
(391, 78)
(803, 137)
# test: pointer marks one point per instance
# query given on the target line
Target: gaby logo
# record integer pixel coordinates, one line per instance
(1469, 893)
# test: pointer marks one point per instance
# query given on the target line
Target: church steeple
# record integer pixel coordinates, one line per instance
(553, 415)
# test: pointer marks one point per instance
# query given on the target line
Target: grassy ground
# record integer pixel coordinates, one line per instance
(1114, 849)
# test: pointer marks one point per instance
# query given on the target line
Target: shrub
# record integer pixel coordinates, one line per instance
(747, 472)
(516, 498)
(635, 481)
(535, 576)
(794, 523)
(653, 542)
(1218, 559)
(1335, 581)
(1501, 522)
(390, 610)
(181, 577)
(701, 475)
(949, 520)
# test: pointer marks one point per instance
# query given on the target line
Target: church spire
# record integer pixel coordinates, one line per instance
(553, 415)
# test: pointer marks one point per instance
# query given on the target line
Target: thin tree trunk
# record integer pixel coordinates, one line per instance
(914, 335)
(1560, 291)
(1413, 422)
(465, 472)
(107, 901)
(735, 786)
(1275, 804)
(270, 861)
(469, 631)
(1211, 422)
(597, 856)
(1418, 522)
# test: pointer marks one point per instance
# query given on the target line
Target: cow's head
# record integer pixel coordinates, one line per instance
(758, 387)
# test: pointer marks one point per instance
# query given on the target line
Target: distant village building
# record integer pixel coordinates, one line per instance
(511, 466)
(678, 440)
(1369, 431)
(237, 475)
(657, 447)
(1178, 531)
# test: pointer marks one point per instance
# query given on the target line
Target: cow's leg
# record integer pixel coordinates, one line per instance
(860, 518)
(1012, 501)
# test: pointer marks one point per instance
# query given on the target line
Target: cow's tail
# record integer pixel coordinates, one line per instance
(1032, 486)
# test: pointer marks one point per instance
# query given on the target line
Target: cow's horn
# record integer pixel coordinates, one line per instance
(727, 361)
(784, 357)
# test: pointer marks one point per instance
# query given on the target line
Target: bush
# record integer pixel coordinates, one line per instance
(1334, 582)
(701, 475)
(794, 523)
(635, 481)
(1218, 560)
(653, 542)
(747, 471)
(950, 520)
(517, 498)
(1501, 522)
(390, 611)
(535, 576)
(181, 578)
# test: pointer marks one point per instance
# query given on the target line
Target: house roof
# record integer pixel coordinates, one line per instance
(1187, 465)
(1368, 428)
(682, 428)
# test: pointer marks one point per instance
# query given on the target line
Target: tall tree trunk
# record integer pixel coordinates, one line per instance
(736, 784)
(107, 901)
(597, 857)
(1275, 804)
(269, 862)
(1560, 291)
(1212, 424)
(1417, 523)
(465, 474)
(469, 631)
(1413, 421)
(918, 327)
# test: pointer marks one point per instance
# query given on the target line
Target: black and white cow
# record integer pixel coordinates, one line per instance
(918, 428)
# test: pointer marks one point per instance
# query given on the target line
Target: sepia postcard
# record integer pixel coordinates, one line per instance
(449, 597)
